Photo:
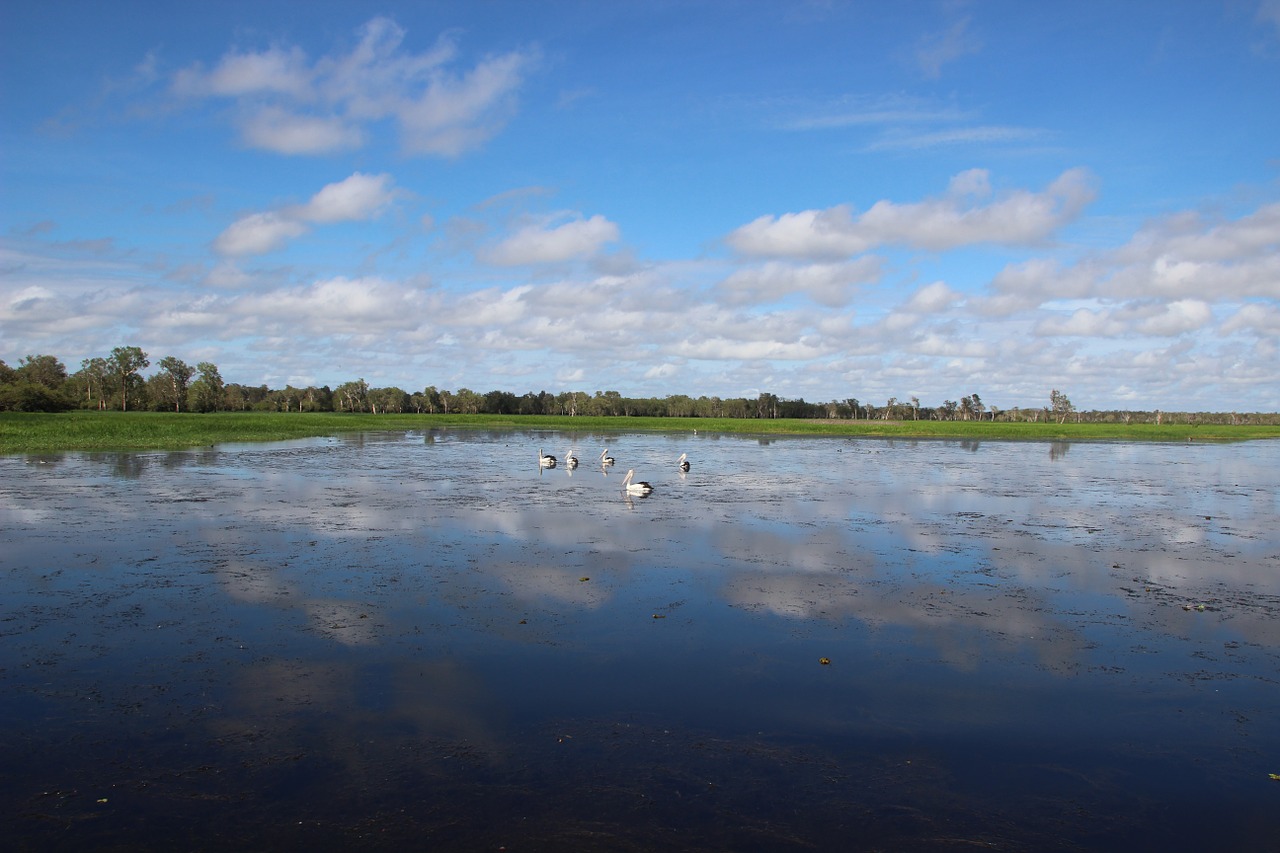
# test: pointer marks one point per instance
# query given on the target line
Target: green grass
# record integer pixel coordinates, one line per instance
(82, 430)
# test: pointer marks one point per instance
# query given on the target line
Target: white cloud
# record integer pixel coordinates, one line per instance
(285, 132)
(336, 306)
(274, 70)
(957, 219)
(1083, 323)
(293, 105)
(956, 136)
(1256, 317)
(539, 243)
(257, 234)
(833, 284)
(932, 299)
(1176, 318)
(359, 197)
(937, 49)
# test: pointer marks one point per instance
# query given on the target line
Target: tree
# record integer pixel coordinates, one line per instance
(43, 370)
(206, 394)
(126, 362)
(176, 377)
(24, 396)
(96, 373)
(1060, 405)
(352, 396)
(387, 400)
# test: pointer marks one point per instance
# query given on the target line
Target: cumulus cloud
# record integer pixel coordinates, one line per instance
(335, 306)
(932, 299)
(832, 284)
(257, 234)
(1256, 317)
(1175, 318)
(359, 197)
(966, 215)
(543, 242)
(289, 103)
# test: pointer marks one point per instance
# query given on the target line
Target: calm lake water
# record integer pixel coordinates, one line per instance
(423, 639)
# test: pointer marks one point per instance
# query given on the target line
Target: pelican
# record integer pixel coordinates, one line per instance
(683, 462)
(570, 460)
(637, 488)
(546, 461)
(605, 458)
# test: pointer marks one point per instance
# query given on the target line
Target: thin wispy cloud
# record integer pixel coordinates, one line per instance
(935, 50)
(957, 136)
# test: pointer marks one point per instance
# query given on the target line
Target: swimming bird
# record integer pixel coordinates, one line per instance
(683, 462)
(605, 458)
(570, 459)
(640, 487)
(546, 461)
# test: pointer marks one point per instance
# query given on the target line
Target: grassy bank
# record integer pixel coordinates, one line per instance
(48, 433)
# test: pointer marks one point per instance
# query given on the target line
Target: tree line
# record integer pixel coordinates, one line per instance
(41, 383)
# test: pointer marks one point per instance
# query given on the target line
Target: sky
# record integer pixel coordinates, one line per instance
(816, 200)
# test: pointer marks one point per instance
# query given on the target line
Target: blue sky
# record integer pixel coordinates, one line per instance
(819, 200)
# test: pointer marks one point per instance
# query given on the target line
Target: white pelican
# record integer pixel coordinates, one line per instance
(640, 487)
(570, 460)
(605, 458)
(683, 462)
(546, 461)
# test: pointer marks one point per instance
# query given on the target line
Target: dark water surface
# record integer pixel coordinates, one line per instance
(424, 641)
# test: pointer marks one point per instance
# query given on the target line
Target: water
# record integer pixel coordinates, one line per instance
(425, 639)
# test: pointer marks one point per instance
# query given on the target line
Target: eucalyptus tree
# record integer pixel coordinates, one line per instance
(96, 374)
(1060, 405)
(175, 375)
(207, 392)
(351, 397)
(388, 400)
(467, 402)
(126, 363)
